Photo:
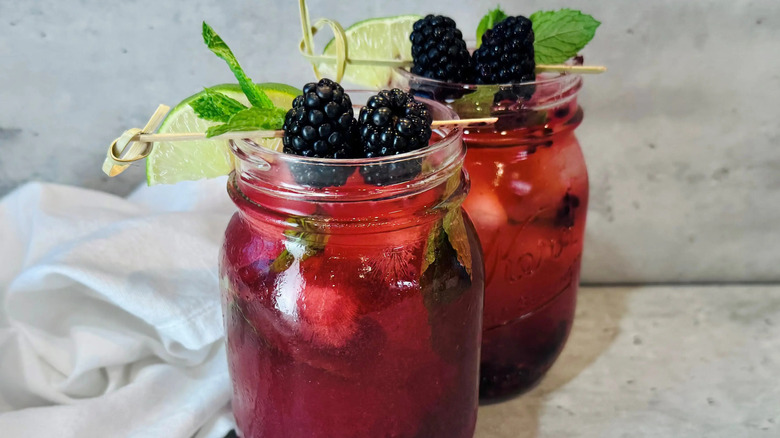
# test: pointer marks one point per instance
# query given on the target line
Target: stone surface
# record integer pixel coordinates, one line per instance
(657, 362)
(681, 136)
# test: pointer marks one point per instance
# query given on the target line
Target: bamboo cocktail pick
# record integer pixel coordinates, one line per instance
(136, 144)
(342, 58)
(120, 156)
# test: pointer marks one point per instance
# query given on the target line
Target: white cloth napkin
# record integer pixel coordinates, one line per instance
(111, 324)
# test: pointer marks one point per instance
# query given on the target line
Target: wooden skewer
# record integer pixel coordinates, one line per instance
(189, 136)
(565, 68)
(540, 68)
(342, 58)
(135, 144)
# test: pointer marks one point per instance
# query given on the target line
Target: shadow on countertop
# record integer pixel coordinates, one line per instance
(596, 326)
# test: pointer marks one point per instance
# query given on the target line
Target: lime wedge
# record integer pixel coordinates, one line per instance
(172, 162)
(375, 38)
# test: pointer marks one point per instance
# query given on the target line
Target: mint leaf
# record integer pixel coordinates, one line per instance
(283, 261)
(214, 131)
(455, 229)
(215, 106)
(443, 278)
(452, 229)
(488, 21)
(434, 239)
(305, 241)
(250, 119)
(476, 104)
(256, 96)
(559, 35)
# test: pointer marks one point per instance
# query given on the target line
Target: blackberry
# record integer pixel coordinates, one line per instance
(439, 52)
(392, 123)
(525, 368)
(565, 214)
(507, 56)
(321, 124)
(390, 173)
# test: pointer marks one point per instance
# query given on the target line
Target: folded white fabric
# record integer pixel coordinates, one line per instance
(111, 324)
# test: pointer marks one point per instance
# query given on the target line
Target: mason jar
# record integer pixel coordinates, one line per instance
(355, 310)
(528, 200)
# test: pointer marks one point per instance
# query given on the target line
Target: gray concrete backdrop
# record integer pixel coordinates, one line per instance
(682, 136)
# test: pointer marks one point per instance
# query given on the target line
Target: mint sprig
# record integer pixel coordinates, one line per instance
(256, 96)
(215, 106)
(235, 116)
(559, 35)
(488, 21)
(250, 119)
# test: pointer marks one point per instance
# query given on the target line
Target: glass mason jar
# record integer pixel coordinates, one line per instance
(353, 311)
(528, 200)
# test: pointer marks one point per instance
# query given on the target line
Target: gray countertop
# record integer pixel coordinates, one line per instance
(683, 361)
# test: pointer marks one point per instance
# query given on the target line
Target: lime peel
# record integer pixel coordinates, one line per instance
(172, 162)
(375, 38)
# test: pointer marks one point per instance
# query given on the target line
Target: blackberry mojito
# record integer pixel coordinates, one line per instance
(529, 200)
(352, 287)
(352, 281)
(529, 182)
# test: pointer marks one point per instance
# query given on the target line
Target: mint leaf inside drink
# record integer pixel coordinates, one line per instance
(215, 106)
(488, 21)
(559, 35)
(444, 278)
(305, 241)
(215, 43)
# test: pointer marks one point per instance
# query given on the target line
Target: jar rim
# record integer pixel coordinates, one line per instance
(249, 145)
(446, 133)
(273, 172)
(546, 78)
(549, 89)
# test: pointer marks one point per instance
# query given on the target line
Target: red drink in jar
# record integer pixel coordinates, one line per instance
(353, 311)
(528, 201)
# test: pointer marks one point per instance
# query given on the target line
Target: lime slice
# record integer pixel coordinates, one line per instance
(375, 38)
(172, 162)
